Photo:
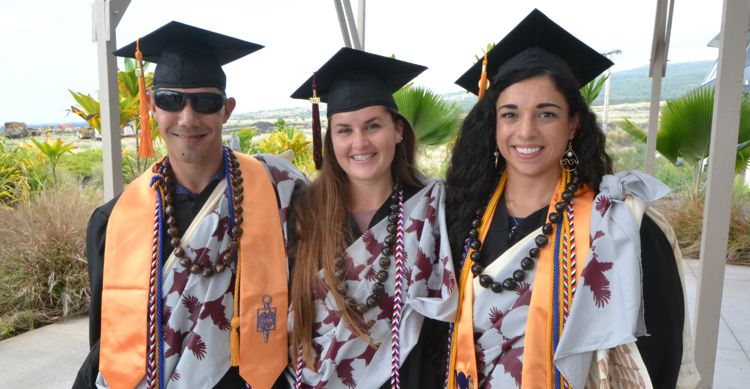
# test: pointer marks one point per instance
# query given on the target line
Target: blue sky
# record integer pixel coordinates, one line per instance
(47, 45)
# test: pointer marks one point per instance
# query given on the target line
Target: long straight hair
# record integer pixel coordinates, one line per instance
(322, 231)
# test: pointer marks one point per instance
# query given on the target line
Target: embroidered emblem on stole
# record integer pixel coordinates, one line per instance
(266, 317)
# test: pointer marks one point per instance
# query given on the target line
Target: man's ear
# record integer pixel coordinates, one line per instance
(229, 107)
(148, 97)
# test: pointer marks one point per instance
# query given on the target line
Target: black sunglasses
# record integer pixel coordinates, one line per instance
(202, 102)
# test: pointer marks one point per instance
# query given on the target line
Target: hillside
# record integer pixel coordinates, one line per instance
(634, 85)
(628, 87)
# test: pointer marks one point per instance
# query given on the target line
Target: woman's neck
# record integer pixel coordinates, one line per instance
(525, 195)
(367, 196)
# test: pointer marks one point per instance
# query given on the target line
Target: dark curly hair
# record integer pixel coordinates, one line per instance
(472, 175)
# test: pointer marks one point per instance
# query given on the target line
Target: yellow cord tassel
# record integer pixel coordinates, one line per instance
(483, 79)
(145, 145)
(234, 337)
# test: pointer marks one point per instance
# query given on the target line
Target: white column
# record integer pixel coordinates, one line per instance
(342, 23)
(352, 24)
(104, 35)
(653, 116)
(361, 22)
(607, 89)
(659, 46)
(724, 131)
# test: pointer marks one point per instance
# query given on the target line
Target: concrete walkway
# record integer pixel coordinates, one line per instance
(50, 356)
(732, 369)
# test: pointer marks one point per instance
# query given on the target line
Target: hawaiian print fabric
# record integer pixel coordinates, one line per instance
(344, 361)
(607, 310)
(198, 310)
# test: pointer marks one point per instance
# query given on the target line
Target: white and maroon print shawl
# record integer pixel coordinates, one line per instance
(344, 361)
(607, 311)
(198, 310)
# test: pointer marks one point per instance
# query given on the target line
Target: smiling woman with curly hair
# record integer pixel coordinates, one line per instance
(563, 265)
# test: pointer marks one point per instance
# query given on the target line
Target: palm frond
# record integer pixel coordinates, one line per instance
(434, 120)
(632, 129)
(592, 90)
(685, 129)
(743, 157)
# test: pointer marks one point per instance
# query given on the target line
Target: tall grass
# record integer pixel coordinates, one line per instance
(683, 208)
(685, 213)
(43, 273)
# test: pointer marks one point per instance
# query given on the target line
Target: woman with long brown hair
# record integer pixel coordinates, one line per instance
(372, 281)
(568, 278)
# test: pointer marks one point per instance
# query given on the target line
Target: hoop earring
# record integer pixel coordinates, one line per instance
(569, 161)
(497, 156)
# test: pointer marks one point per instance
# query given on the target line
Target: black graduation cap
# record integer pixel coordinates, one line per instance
(354, 79)
(187, 56)
(538, 40)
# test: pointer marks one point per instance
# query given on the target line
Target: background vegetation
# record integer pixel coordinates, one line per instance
(49, 185)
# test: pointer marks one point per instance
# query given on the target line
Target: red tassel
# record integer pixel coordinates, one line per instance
(483, 79)
(145, 144)
(317, 142)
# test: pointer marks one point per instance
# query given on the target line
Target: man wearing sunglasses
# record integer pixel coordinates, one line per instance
(187, 267)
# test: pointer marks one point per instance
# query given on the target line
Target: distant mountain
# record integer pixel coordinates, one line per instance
(633, 86)
(628, 86)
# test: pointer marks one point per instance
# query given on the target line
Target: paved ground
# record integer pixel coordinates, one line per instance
(50, 356)
(732, 369)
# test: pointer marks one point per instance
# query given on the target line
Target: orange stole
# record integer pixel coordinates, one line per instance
(538, 369)
(127, 266)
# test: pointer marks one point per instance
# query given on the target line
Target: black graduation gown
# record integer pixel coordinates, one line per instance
(662, 291)
(186, 207)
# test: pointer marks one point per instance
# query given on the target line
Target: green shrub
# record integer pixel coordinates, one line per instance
(627, 154)
(134, 165)
(246, 136)
(84, 166)
(288, 139)
(42, 265)
(21, 173)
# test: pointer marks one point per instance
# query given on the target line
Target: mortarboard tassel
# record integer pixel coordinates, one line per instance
(145, 146)
(483, 78)
(234, 336)
(317, 146)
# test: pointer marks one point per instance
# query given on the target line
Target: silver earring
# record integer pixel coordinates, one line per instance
(497, 156)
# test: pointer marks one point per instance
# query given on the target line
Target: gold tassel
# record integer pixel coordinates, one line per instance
(234, 337)
(234, 343)
(317, 143)
(483, 78)
(145, 145)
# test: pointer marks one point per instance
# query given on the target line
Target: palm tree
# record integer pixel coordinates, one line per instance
(88, 109)
(685, 131)
(434, 120)
(52, 152)
(592, 90)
